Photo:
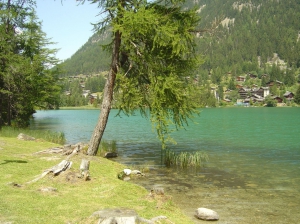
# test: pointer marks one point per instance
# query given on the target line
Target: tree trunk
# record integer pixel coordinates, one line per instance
(1, 110)
(107, 99)
(84, 168)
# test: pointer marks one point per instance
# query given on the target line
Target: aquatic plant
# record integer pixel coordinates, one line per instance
(107, 146)
(184, 159)
(169, 158)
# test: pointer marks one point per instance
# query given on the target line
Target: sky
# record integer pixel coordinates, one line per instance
(67, 23)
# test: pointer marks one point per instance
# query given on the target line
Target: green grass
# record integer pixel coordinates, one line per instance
(50, 136)
(75, 199)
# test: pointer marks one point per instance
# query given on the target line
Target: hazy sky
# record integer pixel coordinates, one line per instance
(67, 23)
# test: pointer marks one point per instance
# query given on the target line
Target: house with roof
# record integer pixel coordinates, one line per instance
(289, 95)
(252, 76)
(85, 93)
(241, 78)
(272, 83)
(262, 91)
(238, 86)
(278, 99)
(244, 92)
(257, 98)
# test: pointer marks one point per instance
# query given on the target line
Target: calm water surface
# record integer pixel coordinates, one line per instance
(253, 173)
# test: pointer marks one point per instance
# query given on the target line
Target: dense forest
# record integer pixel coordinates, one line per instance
(250, 34)
(257, 38)
(26, 80)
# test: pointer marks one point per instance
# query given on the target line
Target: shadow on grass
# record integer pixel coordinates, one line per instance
(6, 161)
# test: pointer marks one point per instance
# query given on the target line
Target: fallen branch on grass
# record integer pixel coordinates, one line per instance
(65, 164)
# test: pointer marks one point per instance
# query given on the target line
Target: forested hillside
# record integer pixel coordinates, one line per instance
(249, 34)
(90, 58)
(245, 45)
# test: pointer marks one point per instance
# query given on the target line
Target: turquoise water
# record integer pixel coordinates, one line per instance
(253, 175)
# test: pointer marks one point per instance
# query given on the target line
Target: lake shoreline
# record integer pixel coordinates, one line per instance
(103, 190)
(253, 171)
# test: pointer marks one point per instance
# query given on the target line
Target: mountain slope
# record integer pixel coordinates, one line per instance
(255, 29)
(248, 36)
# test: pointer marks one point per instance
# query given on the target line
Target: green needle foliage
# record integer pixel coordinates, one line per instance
(158, 53)
(153, 53)
(26, 81)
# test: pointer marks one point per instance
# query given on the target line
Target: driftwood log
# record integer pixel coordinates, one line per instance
(66, 163)
(57, 169)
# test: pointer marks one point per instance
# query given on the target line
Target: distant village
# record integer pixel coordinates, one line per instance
(253, 93)
(256, 93)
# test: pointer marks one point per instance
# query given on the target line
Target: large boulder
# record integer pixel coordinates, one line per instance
(207, 214)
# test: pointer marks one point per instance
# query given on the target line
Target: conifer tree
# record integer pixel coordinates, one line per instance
(25, 80)
(297, 96)
(153, 50)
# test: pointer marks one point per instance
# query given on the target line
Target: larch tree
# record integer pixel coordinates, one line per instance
(152, 56)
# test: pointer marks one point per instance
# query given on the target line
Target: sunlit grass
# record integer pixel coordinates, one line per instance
(75, 199)
(50, 136)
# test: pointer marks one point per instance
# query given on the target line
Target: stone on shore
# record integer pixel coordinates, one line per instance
(24, 137)
(109, 155)
(207, 214)
(120, 216)
(127, 171)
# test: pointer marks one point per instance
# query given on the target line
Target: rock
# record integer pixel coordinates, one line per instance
(120, 216)
(207, 214)
(111, 155)
(24, 137)
(136, 172)
(127, 171)
(158, 191)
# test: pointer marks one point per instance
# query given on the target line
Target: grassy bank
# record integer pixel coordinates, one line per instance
(44, 135)
(75, 199)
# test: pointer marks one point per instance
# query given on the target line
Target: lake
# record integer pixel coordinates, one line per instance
(253, 172)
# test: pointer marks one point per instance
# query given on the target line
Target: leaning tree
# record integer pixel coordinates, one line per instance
(152, 57)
